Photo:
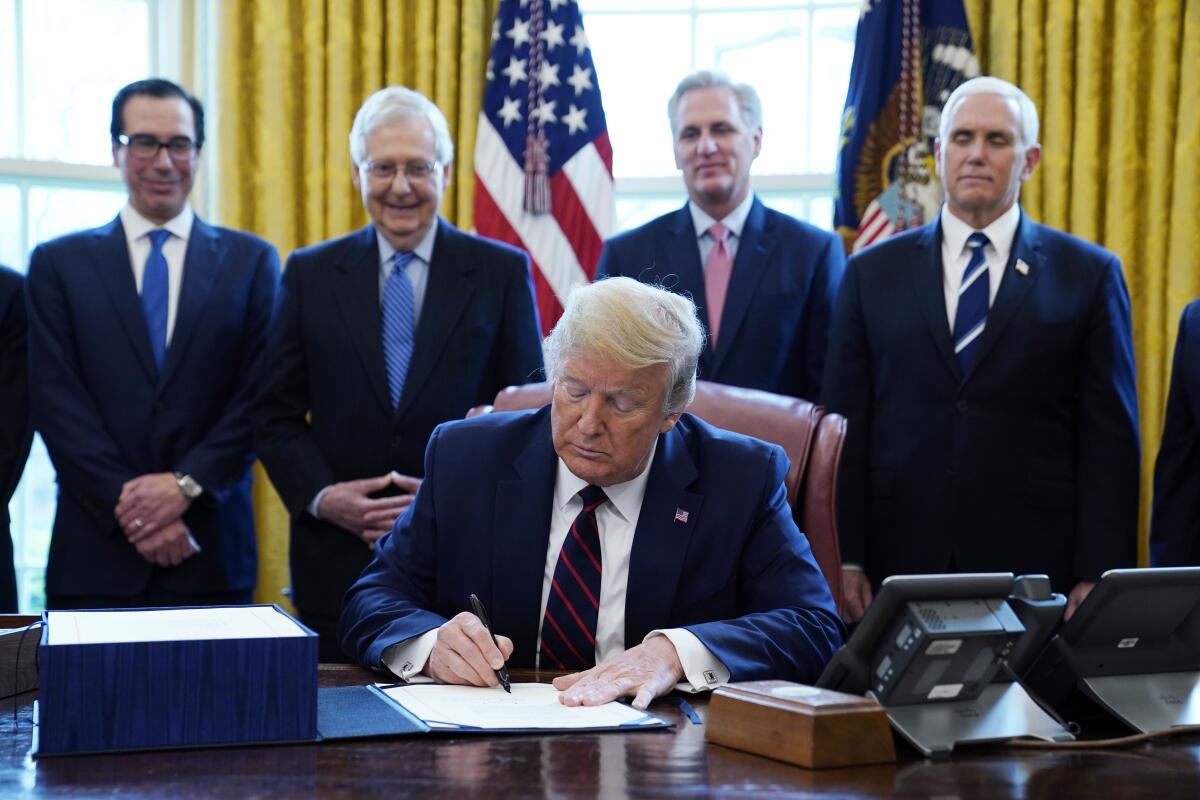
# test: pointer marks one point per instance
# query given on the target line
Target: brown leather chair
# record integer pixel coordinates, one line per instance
(811, 438)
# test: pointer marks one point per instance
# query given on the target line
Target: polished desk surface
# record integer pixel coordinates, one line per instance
(596, 765)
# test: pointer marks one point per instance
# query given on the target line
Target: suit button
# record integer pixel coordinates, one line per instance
(962, 406)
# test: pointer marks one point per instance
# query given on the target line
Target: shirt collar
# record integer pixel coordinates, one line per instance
(423, 250)
(1000, 233)
(136, 226)
(735, 220)
(626, 498)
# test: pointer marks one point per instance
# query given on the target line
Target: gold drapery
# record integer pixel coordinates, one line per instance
(1117, 86)
(291, 75)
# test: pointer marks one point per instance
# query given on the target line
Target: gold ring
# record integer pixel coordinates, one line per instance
(138, 523)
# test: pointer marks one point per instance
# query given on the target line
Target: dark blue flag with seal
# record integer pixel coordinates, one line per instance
(908, 56)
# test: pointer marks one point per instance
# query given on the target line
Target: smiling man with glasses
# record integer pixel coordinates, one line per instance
(381, 335)
(144, 335)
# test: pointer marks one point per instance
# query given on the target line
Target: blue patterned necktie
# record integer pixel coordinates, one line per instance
(971, 316)
(155, 291)
(398, 314)
(569, 629)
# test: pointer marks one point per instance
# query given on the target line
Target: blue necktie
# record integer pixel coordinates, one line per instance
(569, 628)
(971, 316)
(398, 314)
(155, 291)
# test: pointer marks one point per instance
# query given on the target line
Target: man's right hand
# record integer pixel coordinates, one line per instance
(856, 594)
(169, 547)
(349, 504)
(464, 653)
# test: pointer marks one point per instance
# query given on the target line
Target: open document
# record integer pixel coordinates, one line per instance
(531, 706)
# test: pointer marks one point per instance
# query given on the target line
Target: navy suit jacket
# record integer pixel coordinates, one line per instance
(775, 324)
(738, 573)
(1029, 462)
(477, 334)
(1175, 518)
(16, 431)
(107, 415)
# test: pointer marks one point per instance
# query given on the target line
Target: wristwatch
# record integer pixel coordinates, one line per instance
(188, 486)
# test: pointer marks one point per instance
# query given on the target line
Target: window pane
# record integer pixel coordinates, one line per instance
(631, 5)
(8, 79)
(635, 209)
(63, 102)
(639, 60)
(10, 227)
(833, 51)
(768, 50)
(54, 211)
(32, 511)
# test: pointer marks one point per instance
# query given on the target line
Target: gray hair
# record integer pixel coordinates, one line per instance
(399, 104)
(1027, 113)
(748, 101)
(634, 325)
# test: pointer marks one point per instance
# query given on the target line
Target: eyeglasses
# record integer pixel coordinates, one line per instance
(385, 171)
(145, 146)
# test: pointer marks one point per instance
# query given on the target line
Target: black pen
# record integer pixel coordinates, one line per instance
(501, 673)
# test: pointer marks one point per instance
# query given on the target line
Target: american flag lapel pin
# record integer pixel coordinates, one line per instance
(681, 515)
(1022, 267)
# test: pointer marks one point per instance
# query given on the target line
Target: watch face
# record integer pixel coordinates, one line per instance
(191, 490)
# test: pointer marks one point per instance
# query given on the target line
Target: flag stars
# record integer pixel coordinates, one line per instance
(519, 32)
(510, 112)
(574, 119)
(545, 111)
(548, 75)
(554, 4)
(515, 70)
(552, 35)
(581, 79)
(491, 74)
(580, 40)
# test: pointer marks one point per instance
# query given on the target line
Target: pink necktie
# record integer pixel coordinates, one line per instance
(717, 270)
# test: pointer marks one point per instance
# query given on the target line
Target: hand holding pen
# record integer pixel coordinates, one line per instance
(502, 673)
(465, 652)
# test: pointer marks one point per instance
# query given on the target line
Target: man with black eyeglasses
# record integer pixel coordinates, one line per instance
(144, 340)
(380, 336)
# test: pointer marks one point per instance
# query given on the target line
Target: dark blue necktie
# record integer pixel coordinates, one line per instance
(398, 315)
(569, 629)
(155, 291)
(971, 316)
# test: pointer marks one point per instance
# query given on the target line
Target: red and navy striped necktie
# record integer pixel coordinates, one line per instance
(569, 629)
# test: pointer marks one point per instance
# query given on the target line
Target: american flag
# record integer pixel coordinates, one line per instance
(543, 100)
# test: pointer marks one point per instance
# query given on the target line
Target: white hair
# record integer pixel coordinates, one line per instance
(399, 104)
(1027, 114)
(748, 101)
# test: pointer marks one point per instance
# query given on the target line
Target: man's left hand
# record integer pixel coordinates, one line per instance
(645, 672)
(147, 503)
(1077, 596)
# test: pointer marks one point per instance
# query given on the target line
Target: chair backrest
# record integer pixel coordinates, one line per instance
(811, 438)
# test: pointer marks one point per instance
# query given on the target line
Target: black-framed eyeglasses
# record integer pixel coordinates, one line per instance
(145, 146)
(413, 170)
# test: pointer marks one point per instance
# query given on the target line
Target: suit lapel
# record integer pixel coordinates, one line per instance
(753, 255)
(110, 258)
(1014, 288)
(681, 271)
(661, 540)
(929, 287)
(518, 551)
(447, 293)
(356, 289)
(201, 265)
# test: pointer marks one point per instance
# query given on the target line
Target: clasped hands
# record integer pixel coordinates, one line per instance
(465, 654)
(349, 504)
(150, 512)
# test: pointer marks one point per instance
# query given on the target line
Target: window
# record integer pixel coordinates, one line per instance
(60, 65)
(796, 53)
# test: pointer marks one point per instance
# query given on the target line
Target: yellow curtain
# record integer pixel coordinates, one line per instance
(1117, 86)
(291, 76)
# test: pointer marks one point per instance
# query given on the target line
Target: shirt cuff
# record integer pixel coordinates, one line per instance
(408, 658)
(316, 502)
(701, 669)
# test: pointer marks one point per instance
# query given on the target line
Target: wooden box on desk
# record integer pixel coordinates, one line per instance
(800, 724)
(182, 677)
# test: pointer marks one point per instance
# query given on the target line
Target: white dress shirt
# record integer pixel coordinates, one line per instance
(734, 221)
(137, 237)
(956, 254)
(616, 521)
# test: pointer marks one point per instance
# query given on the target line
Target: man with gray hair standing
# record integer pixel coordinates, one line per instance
(609, 534)
(984, 363)
(380, 336)
(764, 282)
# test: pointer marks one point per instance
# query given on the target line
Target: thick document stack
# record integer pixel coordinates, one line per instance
(800, 724)
(178, 677)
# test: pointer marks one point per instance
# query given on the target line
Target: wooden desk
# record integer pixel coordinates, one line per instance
(599, 765)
